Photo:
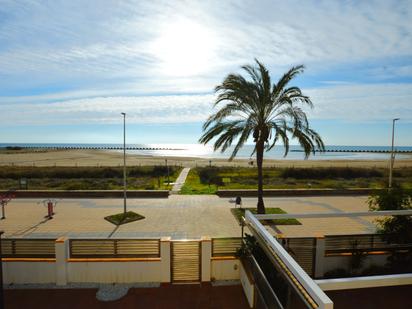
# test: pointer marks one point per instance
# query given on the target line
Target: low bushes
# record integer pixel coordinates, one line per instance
(17, 172)
(206, 180)
(88, 178)
(210, 175)
(330, 172)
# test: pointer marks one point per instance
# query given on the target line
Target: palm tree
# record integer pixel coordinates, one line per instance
(267, 112)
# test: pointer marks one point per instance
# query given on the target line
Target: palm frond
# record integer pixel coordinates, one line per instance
(285, 79)
(243, 138)
(250, 104)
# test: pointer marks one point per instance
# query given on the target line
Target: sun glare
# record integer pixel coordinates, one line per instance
(184, 48)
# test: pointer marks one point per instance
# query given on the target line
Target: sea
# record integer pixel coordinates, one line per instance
(206, 151)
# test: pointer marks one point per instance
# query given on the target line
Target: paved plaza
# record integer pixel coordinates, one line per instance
(179, 216)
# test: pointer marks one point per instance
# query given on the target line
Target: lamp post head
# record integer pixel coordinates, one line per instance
(124, 114)
(395, 119)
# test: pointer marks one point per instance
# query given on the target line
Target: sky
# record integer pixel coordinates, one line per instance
(69, 68)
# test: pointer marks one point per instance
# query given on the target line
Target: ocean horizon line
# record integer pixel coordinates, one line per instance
(202, 151)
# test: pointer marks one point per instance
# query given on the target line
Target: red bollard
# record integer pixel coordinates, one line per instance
(50, 209)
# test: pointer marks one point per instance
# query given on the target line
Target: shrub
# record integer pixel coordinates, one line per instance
(83, 172)
(396, 229)
(210, 175)
(331, 172)
(336, 273)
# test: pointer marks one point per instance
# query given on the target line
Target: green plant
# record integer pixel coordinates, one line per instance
(123, 218)
(395, 229)
(336, 273)
(268, 112)
(330, 172)
(240, 212)
(210, 175)
(375, 270)
(357, 259)
(249, 245)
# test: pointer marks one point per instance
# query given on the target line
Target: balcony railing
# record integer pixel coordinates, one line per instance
(114, 248)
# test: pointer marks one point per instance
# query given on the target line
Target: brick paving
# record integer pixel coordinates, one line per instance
(326, 226)
(179, 216)
(198, 296)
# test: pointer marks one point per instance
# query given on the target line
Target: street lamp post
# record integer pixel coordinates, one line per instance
(167, 168)
(392, 154)
(124, 163)
(1, 275)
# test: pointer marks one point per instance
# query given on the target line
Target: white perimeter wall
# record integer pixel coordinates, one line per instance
(248, 287)
(114, 272)
(225, 269)
(29, 272)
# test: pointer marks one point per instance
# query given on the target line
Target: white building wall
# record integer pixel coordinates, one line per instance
(114, 272)
(225, 269)
(29, 272)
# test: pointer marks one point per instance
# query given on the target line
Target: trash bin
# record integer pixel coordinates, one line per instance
(238, 202)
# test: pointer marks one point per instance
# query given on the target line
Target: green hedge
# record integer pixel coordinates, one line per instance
(7, 172)
(331, 172)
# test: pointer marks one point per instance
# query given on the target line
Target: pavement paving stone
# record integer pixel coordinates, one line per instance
(179, 216)
(180, 181)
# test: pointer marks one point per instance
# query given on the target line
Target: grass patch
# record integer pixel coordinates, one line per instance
(207, 180)
(240, 212)
(124, 218)
(193, 185)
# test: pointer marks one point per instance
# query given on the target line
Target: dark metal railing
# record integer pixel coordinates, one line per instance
(114, 248)
(338, 244)
(28, 248)
(225, 246)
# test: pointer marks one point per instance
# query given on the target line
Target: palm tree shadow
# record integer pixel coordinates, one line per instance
(30, 229)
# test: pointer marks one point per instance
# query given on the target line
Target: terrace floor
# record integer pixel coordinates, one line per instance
(179, 216)
(394, 297)
(199, 296)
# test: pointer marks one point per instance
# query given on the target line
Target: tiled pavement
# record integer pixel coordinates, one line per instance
(198, 296)
(178, 216)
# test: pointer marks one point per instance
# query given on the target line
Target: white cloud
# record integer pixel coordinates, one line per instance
(389, 72)
(147, 109)
(118, 56)
(110, 39)
(369, 102)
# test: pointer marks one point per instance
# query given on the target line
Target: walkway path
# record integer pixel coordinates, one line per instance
(180, 181)
(179, 216)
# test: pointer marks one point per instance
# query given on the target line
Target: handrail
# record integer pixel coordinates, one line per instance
(335, 214)
(364, 282)
(314, 291)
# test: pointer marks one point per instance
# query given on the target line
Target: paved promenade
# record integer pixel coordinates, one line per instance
(179, 216)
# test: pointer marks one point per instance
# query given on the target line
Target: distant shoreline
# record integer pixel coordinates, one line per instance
(199, 151)
(115, 158)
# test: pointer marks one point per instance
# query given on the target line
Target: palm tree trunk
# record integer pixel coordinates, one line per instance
(259, 163)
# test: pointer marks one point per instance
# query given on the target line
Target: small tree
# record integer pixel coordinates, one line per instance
(210, 175)
(254, 106)
(396, 229)
(357, 259)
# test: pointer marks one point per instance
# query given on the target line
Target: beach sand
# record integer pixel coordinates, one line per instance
(114, 158)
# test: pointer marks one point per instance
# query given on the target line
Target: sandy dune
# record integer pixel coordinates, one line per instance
(113, 158)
